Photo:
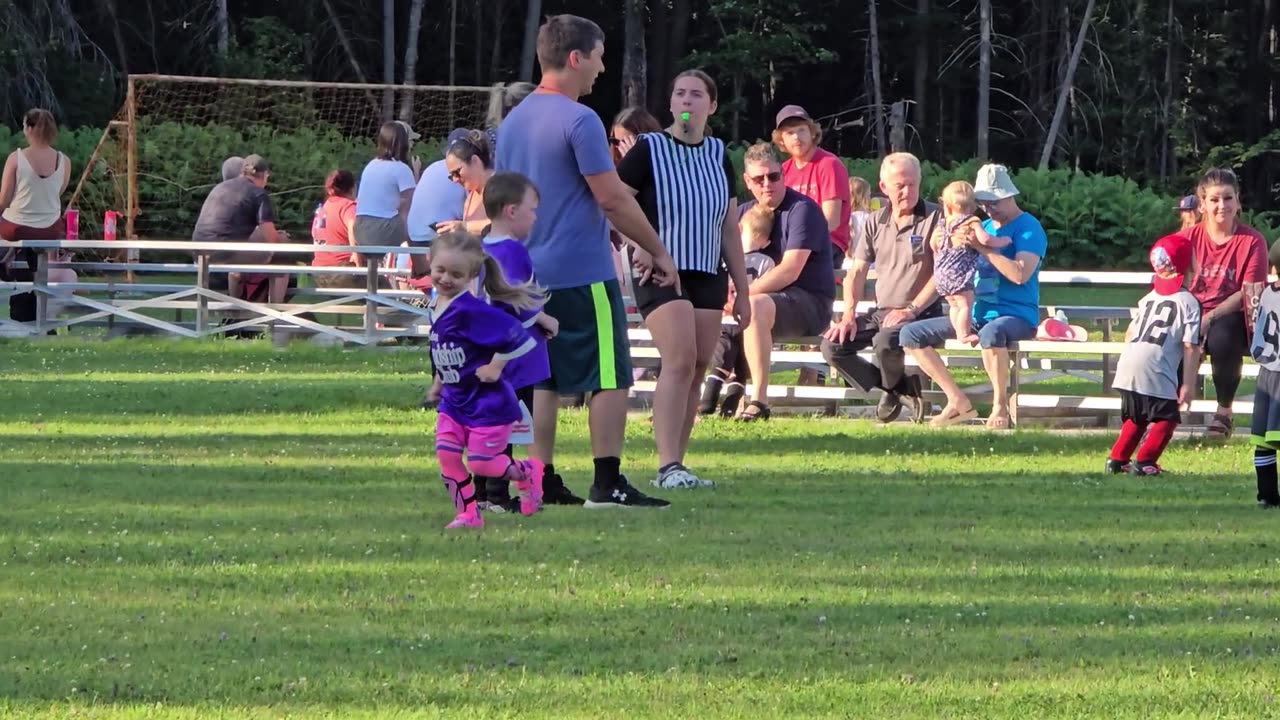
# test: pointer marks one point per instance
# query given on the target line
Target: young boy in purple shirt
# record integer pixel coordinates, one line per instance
(472, 343)
(511, 203)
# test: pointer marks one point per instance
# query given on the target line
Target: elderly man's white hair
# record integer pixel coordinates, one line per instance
(899, 161)
(231, 167)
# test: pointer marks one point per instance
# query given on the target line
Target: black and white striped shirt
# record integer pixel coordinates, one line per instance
(685, 191)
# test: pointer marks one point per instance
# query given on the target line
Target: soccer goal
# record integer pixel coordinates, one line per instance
(158, 159)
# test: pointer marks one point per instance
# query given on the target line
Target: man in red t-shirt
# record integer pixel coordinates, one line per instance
(815, 173)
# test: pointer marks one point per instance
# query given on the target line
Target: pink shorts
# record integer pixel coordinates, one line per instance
(483, 443)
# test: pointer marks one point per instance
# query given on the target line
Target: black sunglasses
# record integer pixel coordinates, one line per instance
(614, 141)
(455, 174)
(772, 177)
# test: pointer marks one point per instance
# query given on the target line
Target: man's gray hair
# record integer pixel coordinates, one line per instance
(254, 165)
(232, 167)
(899, 160)
(761, 152)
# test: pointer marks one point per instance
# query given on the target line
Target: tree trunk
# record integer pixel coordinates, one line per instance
(1166, 107)
(122, 52)
(224, 28)
(453, 41)
(495, 59)
(984, 78)
(478, 23)
(532, 20)
(1065, 91)
(921, 94)
(877, 100)
(659, 60)
(736, 116)
(634, 63)
(351, 54)
(411, 59)
(388, 58)
(680, 16)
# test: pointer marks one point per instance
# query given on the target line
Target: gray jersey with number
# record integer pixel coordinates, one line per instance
(1163, 327)
(1265, 347)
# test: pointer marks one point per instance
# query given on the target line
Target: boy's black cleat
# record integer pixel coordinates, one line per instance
(555, 493)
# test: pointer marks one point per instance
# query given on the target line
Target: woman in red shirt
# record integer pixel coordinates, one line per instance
(334, 226)
(1230, 257)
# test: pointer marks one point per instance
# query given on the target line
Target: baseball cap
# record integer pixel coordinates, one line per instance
(789, 112)
(1057, 329)
(1190, 202)
(455, 136)
(1170, 256)
(413, 136)
(993, 184)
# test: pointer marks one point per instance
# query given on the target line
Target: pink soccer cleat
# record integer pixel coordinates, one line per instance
(470, 519)
(531, 489)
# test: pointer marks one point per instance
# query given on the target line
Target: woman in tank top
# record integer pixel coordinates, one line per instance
(31, 205)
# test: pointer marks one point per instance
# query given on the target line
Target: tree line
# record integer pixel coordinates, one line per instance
(1153, 90)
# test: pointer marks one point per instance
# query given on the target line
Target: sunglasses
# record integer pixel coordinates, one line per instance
(455, 175)
(772, 177)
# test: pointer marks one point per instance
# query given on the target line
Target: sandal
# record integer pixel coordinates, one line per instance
(1221, 426)
(951, 416)
(762, 412)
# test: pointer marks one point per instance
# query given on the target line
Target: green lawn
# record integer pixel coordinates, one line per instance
(220, 530)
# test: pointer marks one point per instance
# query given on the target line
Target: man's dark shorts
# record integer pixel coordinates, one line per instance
(800, 313)
(591, 352)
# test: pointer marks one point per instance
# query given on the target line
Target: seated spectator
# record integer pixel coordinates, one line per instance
(334, 226)
(470, 163)
(385, 193)
(794, 298)
(240, 210)
(1006, 306)
(31, 207)
(1188, 212)
(1232, 262)
(436, 198)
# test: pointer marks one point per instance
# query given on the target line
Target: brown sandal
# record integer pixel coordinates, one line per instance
(1221, 426)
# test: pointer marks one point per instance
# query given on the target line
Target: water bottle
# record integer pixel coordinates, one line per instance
(73, 224)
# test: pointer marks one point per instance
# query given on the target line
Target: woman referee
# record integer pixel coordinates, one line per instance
(685, 183)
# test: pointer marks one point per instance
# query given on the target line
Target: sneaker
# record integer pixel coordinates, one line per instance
(889, 407)
(1269, 504)
(622, 495)
(531, 489)
(710, 395)
(1119, 467)
(731, 398)
(466, 520)
(555, 493)
(1146, 469)
(915, 403)
(680, 478)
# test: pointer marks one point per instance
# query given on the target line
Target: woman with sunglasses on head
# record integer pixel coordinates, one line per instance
(385, 192)
(685, 184)
(470, 163)
(1230, 259)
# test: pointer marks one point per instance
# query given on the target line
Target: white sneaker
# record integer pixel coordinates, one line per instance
(680, 478)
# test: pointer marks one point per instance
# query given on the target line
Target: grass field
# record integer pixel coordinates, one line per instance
(220, 530)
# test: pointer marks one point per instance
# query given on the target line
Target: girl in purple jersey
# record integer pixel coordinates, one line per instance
(471, 344)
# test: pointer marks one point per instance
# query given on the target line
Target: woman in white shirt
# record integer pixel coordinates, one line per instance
(386, 190)
(31, 202)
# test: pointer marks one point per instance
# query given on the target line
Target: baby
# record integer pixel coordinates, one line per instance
(954, 261)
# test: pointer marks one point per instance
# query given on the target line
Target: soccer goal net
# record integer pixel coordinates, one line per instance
(157, 161)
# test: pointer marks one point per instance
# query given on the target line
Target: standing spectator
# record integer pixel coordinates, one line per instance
(860, 201)
(470, 163)
(500, 106)
(334, 226)
(794, 298)
(240, 210)
(231, 167)
(896, 239)
(435, 199)
(561, 146)
(815, 173)
(31, 206)
(1188, 211)
(629, 124)
(1007, 300)
(386, 191)
(1230, 257)
(685, 182)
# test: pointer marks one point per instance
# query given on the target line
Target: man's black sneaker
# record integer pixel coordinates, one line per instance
(889, 407)
(555, 493)
(1119, 467)
(622, 495)
(914, 402)
(1146, 469)
(731, 398)
(710, 399)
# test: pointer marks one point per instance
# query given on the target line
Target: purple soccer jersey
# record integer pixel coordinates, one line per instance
(534, 367)
(466, 335)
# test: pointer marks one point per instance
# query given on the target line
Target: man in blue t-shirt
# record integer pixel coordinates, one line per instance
(562, 147)
(794, 298)
(1007, 301)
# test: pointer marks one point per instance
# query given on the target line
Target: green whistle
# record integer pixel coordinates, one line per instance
(684, 117)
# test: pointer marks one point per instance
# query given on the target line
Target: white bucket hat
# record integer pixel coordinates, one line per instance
(993, 184)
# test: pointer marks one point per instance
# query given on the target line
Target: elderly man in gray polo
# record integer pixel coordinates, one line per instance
(896, 239)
